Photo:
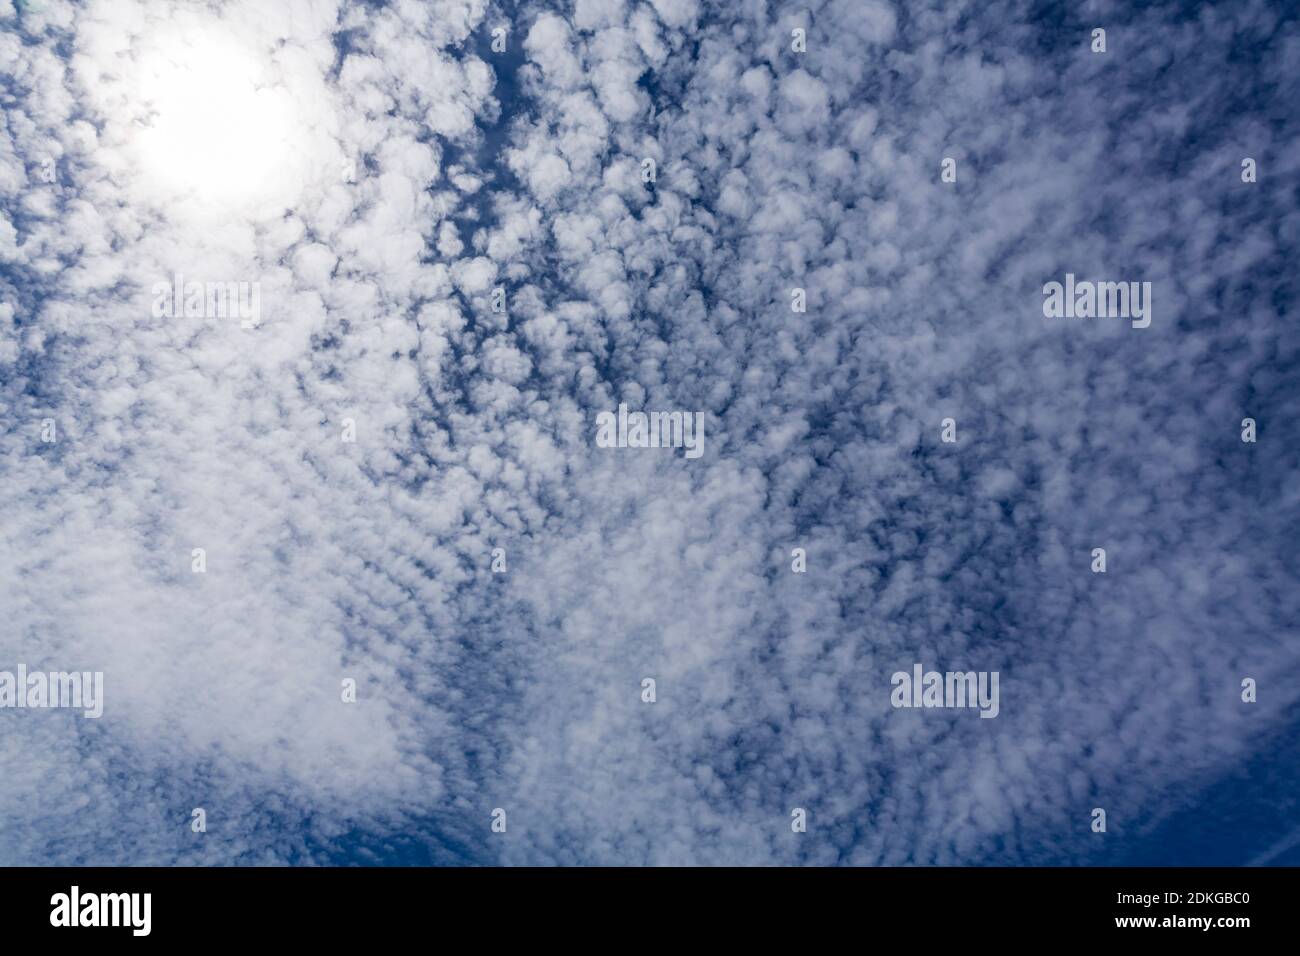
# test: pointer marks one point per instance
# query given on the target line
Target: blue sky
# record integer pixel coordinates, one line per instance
(377, 170)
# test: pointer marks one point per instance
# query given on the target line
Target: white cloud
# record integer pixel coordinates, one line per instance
(399, 204)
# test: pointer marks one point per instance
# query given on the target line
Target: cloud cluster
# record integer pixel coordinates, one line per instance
(459, 253)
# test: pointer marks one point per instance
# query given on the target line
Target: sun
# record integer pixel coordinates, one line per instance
(215, 123)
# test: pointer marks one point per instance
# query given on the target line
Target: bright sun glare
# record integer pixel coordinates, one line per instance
(215, 125)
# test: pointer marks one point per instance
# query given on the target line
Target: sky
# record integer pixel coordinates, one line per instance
(393, 471)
